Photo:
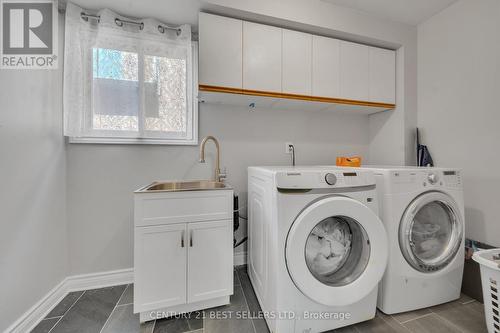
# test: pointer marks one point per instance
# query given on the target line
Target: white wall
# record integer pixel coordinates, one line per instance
(33, 244)
(93, 184)
(459, 85)
(101, 178)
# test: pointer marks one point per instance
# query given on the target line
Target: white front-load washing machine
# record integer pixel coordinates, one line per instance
(423, 212)
(317, 249)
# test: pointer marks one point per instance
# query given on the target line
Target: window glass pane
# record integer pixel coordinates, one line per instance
(115, 90)
(432, 231)
(165, 82)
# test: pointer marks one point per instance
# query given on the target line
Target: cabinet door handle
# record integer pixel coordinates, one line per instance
(182, 238)
(191, 238)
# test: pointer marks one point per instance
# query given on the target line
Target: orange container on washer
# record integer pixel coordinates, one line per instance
(354, 161)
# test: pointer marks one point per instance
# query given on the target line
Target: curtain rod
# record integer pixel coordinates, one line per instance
(120, 23)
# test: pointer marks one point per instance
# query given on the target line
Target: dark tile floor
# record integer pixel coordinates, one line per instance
(109, 310)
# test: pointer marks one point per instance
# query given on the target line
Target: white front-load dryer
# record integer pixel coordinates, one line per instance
(423, 212)
(317, 248)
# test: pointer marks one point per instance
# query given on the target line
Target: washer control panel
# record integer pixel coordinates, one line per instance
(430, 178)
(452, 178)
(328, 178)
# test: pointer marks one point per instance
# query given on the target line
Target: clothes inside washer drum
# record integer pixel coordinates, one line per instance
(328, 246)
(432, 230)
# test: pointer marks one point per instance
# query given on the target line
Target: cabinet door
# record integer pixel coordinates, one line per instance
(210, 260)
(325, 67)
(261, 57)
(297, 58)
(382, 75)
(160, 266)
(220, 51)
(354, 71)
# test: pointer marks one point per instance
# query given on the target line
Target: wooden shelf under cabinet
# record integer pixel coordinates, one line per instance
(365, 106)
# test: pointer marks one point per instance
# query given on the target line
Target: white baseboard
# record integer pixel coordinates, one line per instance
(240, 258)
(99, 280)
(37, 312)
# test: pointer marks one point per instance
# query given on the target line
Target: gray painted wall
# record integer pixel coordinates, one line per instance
(459, 85)
(101, 178)
(74, 201)
(33, 235)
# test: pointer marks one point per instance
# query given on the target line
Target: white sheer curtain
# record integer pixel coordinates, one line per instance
(126, 80)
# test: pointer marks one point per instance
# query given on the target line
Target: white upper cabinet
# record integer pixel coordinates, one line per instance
(382, 75)
(220, 60)
(183, 251)
(297, 62)
(325, 67)
(354, 71)
(261, 57)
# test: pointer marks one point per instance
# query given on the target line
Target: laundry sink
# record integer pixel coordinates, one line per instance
(194, 185)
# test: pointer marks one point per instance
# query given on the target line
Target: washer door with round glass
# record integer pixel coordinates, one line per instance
(431, 231)
(336, 251)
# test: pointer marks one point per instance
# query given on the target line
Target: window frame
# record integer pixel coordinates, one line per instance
(107, 139)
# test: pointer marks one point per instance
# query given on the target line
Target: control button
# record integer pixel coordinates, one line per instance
(433, 178)
(330, 179)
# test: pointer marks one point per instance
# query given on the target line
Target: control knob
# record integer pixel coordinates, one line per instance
(433, 178)
(330, 179)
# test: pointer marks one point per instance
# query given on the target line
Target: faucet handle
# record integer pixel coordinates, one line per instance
(222, 175)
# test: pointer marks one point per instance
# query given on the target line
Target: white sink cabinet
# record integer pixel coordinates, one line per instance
(183, 251)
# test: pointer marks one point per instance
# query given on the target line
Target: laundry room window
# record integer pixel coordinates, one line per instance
(115, 90)
(128, 82)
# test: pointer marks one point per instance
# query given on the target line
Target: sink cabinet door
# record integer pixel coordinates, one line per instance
(160, 266)
(210, 260)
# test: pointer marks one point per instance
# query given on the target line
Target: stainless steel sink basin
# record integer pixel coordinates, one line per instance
(195, 185)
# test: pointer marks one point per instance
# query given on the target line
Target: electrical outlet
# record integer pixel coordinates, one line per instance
(288, 149)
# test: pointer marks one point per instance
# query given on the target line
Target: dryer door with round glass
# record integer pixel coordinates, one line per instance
(431, 231)
(336, 251)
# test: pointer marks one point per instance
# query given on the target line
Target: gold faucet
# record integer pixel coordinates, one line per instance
(218, 177)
